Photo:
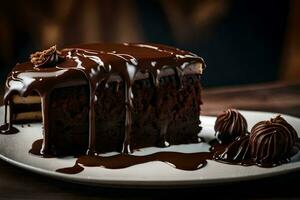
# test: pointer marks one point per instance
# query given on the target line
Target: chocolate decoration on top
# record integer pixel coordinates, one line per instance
(97, 64)
(47, 58)
(272, 141)
(230, 125)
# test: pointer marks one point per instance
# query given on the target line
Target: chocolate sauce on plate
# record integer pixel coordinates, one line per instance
(7, 128)
(236, 153)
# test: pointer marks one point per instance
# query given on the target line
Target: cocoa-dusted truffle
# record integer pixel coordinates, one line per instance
(272, 142)
(230, 125)
(46, 58)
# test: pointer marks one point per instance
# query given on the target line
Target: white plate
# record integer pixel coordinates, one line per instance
(14, 149)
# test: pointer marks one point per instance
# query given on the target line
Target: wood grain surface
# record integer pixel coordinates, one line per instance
(274, 97)
(17, 183)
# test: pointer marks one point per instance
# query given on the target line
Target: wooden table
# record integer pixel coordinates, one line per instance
(276, 97)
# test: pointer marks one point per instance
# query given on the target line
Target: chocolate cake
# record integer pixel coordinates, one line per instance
(107, 97)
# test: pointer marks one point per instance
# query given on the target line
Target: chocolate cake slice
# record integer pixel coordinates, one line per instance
(98, 98)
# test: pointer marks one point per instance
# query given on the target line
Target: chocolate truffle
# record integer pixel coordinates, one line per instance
(230, 125)
(272, 142)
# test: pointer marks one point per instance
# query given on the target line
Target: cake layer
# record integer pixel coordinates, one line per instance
(26, 109)
(161, 116)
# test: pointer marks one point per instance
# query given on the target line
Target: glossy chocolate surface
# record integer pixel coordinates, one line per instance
(230, 125)
(272, 141)
(96, 64)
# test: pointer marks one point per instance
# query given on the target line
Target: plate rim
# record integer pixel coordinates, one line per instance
(141, 183)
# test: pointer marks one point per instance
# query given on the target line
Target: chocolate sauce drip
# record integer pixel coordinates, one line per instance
(36, 148)
(163, 131)
(45, 113)
(7, 128)
(98, 63)
(71, 170)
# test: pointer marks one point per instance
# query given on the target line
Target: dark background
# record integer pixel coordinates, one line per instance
(242, 42)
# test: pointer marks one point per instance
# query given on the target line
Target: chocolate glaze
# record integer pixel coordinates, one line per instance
(230, 125)
(7, 128)
(97, 64)
(36, 149)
